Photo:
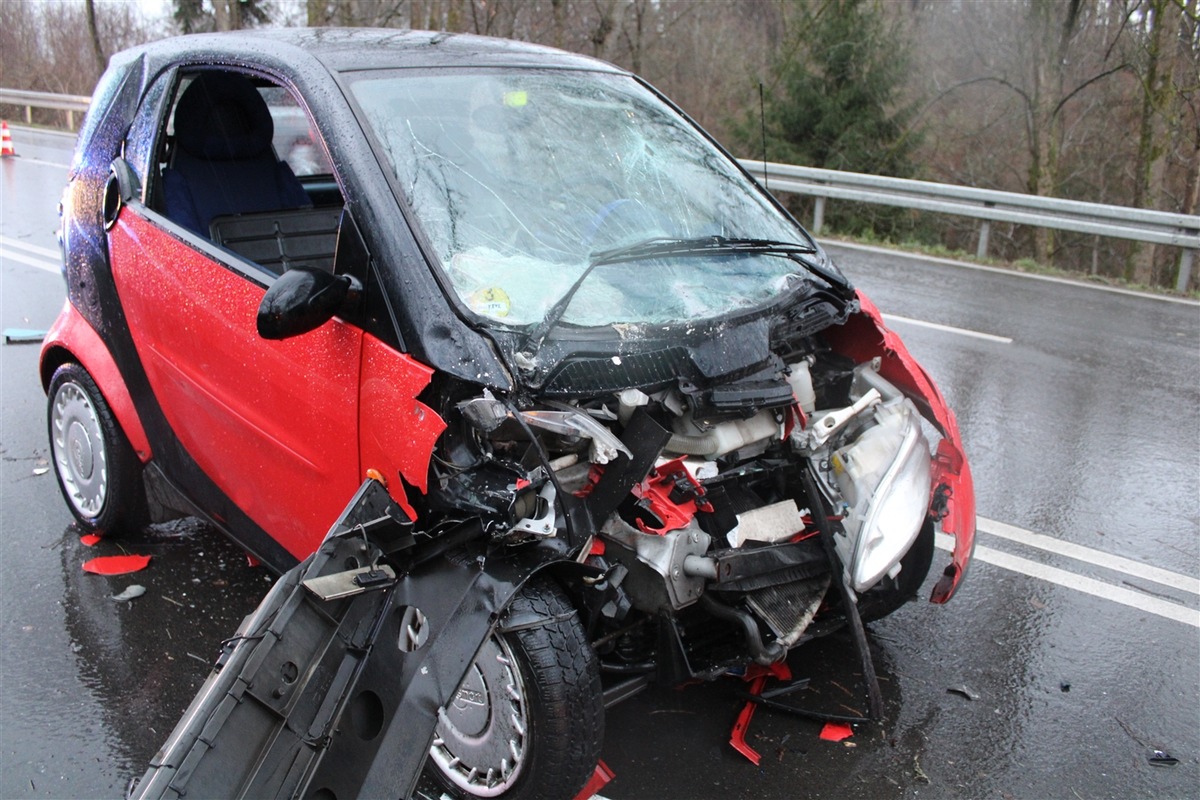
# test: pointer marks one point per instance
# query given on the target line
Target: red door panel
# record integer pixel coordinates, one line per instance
(273, 424)
(397, 430)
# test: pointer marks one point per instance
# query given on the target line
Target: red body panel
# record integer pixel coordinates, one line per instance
(397, 431)
(865, 336)
(73, 334)
(273, 423)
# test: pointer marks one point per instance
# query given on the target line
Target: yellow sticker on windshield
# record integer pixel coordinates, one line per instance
(516, 99)
(491, 302)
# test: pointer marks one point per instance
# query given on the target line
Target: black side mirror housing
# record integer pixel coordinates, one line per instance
(303, 299)
(122, 186)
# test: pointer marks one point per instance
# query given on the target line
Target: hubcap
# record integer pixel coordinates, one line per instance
(78, 444)
(481, 740)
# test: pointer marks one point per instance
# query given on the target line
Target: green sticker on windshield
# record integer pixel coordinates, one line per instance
(516, 99)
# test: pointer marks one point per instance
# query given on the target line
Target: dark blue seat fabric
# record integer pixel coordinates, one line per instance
(223, 161)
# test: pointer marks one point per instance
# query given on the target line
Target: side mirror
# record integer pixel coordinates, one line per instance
(122, 186)
(303, 299)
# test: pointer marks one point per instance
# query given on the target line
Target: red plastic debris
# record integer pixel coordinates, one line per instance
(836, 731)
(757, 677)
(251, 561)
(89, 540)
(116, 565)
(656, 491)
(602, 775)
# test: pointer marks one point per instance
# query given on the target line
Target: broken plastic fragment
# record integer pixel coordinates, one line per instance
(23, 336)
(90, 540)
(1163, 759)
(115, 565)
(836, 731)
(756, 675)
(600, 776)
(40, 470)
(134, 591)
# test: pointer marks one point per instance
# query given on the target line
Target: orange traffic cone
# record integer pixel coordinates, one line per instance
(6, 145)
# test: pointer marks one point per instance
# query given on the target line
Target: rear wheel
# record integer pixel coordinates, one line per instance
(527, 720)
(98, 472)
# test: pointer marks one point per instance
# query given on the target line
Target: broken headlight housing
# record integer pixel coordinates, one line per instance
(884, 477)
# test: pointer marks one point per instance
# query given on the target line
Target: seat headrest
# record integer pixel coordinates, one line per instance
(222, 117)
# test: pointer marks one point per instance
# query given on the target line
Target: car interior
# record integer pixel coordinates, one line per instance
(225, 180)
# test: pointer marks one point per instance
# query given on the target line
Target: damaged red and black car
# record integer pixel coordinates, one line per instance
(622, 418)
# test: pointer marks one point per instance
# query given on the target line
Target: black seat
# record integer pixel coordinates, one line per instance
(223, 161)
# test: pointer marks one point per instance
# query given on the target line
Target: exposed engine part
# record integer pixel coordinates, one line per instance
(801, 382)
(628, 401)
(762, 652)
(824, 426)
(724, 437)
(789, 608)
(866, 376)
(667, 586)
(540, 521)
(605, 444)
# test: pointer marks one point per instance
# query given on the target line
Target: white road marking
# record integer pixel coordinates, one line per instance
(9, 251)
(48, 252)
(1080, 583)
(1078, 552)
(990, 337)
(1079, 283)
(39, 162)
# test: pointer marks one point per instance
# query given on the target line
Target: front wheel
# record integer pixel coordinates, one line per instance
(527, 721)
(98, 472)
(890, 595)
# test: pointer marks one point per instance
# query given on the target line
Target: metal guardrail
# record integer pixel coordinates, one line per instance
(71, 103)
(987, 205)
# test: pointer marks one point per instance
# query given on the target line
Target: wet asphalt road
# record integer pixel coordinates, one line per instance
(1069, 668)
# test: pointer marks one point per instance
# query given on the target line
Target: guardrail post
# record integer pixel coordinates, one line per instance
(985, 232)
(28, 115)
(1185, 270)
(818, 215)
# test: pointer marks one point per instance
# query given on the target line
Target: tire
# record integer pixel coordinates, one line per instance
(530, 709)
(98, 473)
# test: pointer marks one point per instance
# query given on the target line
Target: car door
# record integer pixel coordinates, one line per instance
(272, 424)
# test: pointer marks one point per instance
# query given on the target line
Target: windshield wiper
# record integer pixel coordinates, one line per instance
(663, 247)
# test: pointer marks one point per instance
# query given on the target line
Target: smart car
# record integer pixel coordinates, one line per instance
(523, 292)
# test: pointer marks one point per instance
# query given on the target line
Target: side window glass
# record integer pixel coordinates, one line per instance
(295, 141)
(142, 139)
(223, 178)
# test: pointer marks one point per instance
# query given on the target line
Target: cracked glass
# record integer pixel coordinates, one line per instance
(518, 179)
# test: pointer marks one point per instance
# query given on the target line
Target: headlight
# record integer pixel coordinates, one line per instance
(885, 478)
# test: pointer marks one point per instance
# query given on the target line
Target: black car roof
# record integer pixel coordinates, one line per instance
(347, 49)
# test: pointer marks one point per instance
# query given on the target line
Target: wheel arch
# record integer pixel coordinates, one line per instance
(73, 339)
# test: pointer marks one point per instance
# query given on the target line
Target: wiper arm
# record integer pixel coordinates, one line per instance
(665, 247)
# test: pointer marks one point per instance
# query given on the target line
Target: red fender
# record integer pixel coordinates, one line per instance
(865, 336)
(72, 338)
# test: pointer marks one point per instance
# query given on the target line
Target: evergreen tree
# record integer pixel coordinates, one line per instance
(835, 102)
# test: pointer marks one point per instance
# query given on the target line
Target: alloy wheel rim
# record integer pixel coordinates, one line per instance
(79, 452)
(480, 744)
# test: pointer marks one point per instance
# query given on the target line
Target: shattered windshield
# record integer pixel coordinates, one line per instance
(521, 180)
